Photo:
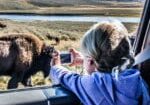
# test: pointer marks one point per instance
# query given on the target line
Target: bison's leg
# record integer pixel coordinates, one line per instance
(27, 82)
(16, 78)
(27, 78)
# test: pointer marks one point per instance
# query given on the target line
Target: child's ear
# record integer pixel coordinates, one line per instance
(91, 62)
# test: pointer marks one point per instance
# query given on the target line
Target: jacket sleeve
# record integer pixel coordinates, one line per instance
(72, 81)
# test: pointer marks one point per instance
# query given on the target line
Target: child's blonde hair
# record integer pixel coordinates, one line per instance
(107, 43)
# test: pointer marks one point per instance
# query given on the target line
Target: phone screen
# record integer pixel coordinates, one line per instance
(65, 58)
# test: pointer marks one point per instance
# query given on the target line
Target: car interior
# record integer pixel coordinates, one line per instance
(57, 95)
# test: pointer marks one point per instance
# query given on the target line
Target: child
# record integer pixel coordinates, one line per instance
(106, 57)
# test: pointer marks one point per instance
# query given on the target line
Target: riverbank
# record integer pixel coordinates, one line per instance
(79, 11)
(68, 18)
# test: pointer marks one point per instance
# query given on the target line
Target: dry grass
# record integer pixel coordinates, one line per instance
(68, 31)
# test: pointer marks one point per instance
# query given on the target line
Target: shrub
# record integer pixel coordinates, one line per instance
(64, 37)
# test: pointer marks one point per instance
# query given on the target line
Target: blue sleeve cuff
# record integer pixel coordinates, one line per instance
(56, 72)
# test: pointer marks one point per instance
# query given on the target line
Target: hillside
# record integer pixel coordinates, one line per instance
(71, 7)
(60, 2)
(15, 5)
(48, 3)
(34, 4)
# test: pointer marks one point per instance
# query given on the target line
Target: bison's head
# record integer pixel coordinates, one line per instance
(46, 57)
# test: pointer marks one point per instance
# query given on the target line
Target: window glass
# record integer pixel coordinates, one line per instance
(60, 23)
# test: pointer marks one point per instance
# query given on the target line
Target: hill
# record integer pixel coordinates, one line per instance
(71, 7)
(60, 2)
(48, 3)
(34, 4)
(15, 5)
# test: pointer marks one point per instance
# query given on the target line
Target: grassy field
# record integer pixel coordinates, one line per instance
(70, 34)
(71, 7)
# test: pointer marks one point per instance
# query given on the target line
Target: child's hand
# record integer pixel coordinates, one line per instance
(77, 57)
(55, 59)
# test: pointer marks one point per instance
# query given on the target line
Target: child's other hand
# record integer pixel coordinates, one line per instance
(55, 58)
(77, 57)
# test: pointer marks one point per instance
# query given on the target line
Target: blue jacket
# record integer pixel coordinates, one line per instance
(103, 88)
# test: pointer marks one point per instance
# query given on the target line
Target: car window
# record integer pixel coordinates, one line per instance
(60, 23)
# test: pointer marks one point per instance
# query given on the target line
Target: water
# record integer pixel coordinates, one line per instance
(68, 18)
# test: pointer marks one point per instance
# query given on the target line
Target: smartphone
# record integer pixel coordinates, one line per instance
(65, 57)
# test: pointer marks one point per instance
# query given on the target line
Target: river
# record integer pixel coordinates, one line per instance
(68, 18)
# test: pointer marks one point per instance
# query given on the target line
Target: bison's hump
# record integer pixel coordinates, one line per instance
(25, 54)
(30, 38)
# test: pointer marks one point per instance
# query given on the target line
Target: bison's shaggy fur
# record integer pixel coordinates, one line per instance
(22, 55)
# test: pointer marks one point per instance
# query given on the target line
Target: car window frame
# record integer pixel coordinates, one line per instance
(141, 36)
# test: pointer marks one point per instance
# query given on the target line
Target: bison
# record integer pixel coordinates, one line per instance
(23, 55)
(2, 25)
